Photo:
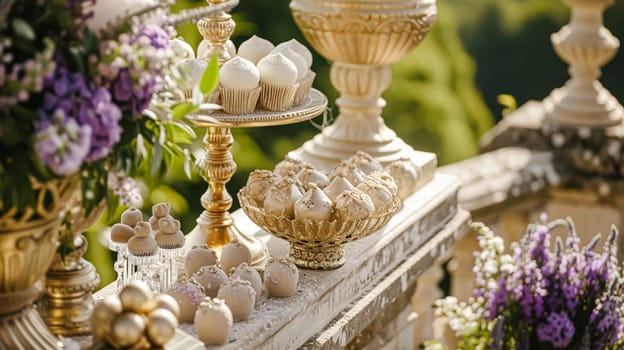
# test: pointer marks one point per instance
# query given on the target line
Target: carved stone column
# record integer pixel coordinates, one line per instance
(586, 45)
(362, 38)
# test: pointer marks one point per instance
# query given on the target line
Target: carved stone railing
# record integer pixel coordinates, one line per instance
(563, 156)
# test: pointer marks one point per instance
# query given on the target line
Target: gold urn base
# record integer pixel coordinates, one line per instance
(67, 304)
(26, 330)
(318, 258)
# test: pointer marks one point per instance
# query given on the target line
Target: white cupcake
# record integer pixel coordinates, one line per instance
(255, 48)
(305, 77)
(278, 79)
(238, 79)
(299, 48)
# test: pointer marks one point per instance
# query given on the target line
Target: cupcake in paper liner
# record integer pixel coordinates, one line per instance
(305, 85)
(238, 86)
(278, 79)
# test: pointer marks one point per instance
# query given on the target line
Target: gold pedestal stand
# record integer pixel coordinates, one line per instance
(215, 226)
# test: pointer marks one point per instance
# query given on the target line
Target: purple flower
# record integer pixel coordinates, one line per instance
(123, 86)
(558, 330)
(62, 144)
(158, 38)
(72, 101)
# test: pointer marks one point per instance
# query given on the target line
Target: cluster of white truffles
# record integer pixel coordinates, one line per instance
(354, 189)
(218, 292)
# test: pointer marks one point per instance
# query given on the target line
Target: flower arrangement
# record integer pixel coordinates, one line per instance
(101, 103)
(541, 296)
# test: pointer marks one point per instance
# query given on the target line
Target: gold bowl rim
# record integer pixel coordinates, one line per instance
(315, 233)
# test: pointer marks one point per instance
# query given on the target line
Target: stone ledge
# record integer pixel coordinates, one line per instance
(289, 322)
(400, 281)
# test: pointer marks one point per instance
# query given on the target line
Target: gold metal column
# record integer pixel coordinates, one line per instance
(215, 223)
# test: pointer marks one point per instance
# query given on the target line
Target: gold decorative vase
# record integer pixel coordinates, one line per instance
(67, 303)
(28, 242)
(362, 37)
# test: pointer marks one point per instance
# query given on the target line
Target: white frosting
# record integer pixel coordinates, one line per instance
(297, 59)
(192, 70)
(276, 69)
(239, 73)
(182, 49)
(205, 44)
(298, 48)
(255, 48)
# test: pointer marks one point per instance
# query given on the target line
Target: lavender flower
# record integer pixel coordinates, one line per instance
(558, 330)
(569, 297)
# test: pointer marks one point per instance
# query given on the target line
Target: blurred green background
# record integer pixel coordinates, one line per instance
(442, 99)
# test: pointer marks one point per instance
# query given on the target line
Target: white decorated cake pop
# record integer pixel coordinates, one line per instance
(213, 321)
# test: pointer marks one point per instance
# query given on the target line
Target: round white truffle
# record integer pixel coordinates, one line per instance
(255, 48)
(298, 48)
(276, 69)
(240, 74)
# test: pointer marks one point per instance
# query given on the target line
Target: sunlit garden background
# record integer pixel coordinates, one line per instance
(483, 57)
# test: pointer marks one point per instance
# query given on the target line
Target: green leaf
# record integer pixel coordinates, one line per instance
(210, 78)
(182, 109)
(23, 29)
(157, 156)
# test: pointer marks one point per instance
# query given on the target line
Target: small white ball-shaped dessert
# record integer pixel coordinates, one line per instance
(380, 194)
(239, 296)
(337, 185)
(127, 329)
(281, 277)
(182, 49)
(197, 257)
(239, 74)
(309, 175)
(276, 69)
(405, 174)
(354, 204)
(314, 205)
(192, 70)
(385, 179)
(288, 165)
(280, 199)
(161, 326)
(205, 44)
(134, 295)
(297, 59)
(249, 274)
(258, 184)
(350, 171)
(366, 162)
(210, 278)
(213, 322)
(234, 254)
(188, 294)
(298, 48)
(255, 48)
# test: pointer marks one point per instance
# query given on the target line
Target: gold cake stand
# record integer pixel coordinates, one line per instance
(215, 225)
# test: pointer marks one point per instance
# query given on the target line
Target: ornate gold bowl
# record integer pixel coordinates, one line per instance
(317, 244)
